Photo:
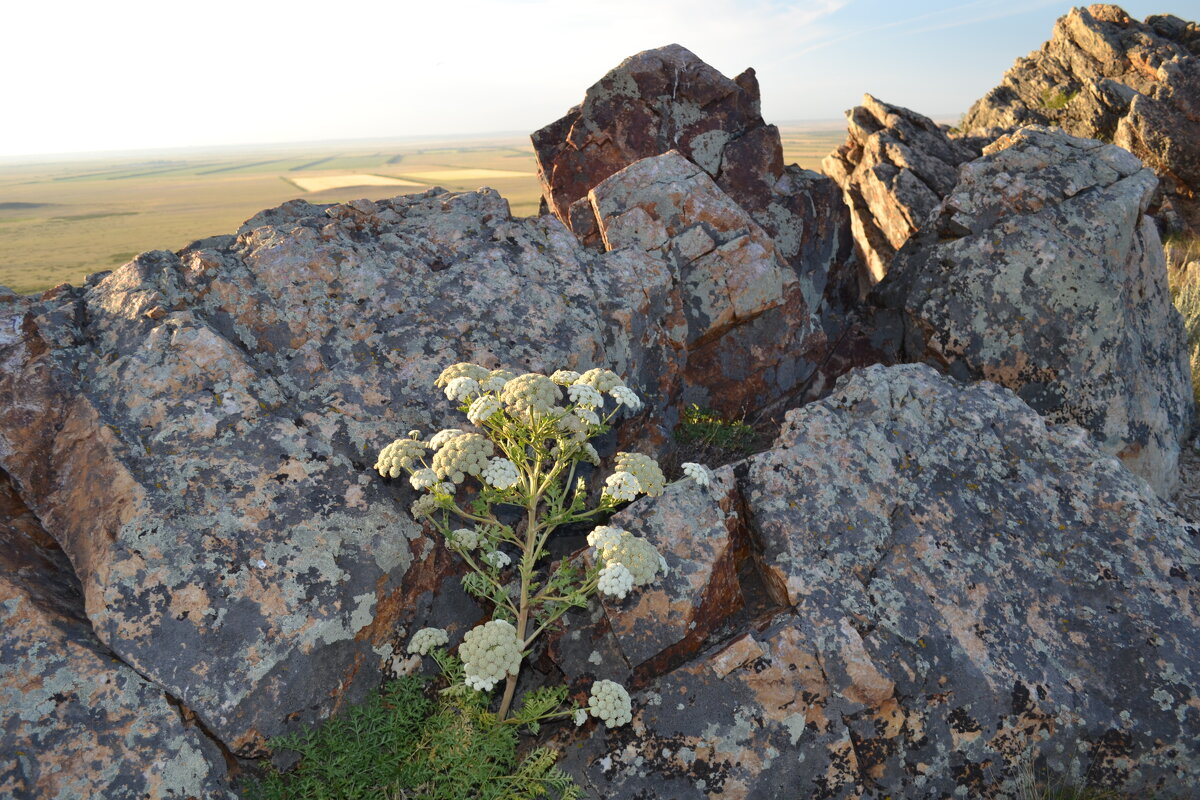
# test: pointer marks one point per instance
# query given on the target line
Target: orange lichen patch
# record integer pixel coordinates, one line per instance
(1017, 372)
(868, 685)
(190, 601)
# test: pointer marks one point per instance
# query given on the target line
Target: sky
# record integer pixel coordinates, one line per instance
(132, 75)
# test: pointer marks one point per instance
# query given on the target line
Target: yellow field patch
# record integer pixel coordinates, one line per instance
(321, 183)
(456, 175)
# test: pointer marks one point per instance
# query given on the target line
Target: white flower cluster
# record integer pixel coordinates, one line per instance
(621, 486)
(399, 456)
(626, 397)
(497, 558)
(615, 580)
(649, 475)
(530, 393)
(426, 639)
(489, 653)
(482, 408)
(425, 505)
(584, 395)
(602, 380)
(496, 380)
(699, 473)
(500, 473)
(423, 479)
(461, 370)
(570, 425)
(610, 702)
(464, 539)
(461, 388)
(564, 377)
(465, 454)
(441, 437)
(618, 546)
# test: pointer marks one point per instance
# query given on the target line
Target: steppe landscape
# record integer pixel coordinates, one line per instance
(665, 452)
(63, 219)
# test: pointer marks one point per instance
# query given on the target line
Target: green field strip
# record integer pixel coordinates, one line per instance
(396, 159)
(312, 164)
(236, 167)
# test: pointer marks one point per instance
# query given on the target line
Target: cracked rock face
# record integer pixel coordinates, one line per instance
(1107, 76)
(78, 723)
(963, 588)
(1042, 272)
(197, 430)
(668, 99)
(894, 168)
(749, 331)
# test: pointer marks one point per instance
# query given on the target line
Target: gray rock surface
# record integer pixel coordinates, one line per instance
(1106, 76)
(894, 168)
(77, 723)
(197, 430)
(961, 588)
(1041, 271)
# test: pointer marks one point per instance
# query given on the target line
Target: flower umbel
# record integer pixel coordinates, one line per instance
(490, 652)
(610, 702)
(426, 639)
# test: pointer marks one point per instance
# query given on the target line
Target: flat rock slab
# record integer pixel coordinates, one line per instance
(1042, 272)
(967, 589)
(197, 429)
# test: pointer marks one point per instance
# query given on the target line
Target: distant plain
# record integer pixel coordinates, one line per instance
(61, 220)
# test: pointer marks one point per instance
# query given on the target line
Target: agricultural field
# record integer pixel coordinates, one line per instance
(62, 220)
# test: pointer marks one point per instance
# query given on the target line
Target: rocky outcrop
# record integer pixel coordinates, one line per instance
(894, 168)
(960, 589)
(669, 100)
(749, 332)
(197, 429)
(78, 723)
(1041, 272)
(1106, 76)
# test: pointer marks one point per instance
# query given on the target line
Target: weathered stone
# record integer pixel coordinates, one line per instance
(668, 99)
(1042, 272)
(730, 273)
(77, 723)
(208, 472)
(1107, 76)
(971, 590)
(894, 168)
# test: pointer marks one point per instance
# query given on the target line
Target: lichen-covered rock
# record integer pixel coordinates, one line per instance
(197, 430)
(894, 168)
(1107, 76)
(968, 590)
(730, 274)
(1041, 271)
(668, 99)
(77, 723)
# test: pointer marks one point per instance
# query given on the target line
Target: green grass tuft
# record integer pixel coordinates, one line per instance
(406, 743)
(1056, 100)
(707, 428)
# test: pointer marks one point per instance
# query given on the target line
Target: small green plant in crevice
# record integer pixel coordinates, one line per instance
(704, 427)
(407, 742)
(1056, 100)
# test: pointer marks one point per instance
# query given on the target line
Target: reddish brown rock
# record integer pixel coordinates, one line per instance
(668, 99)
(894, 168)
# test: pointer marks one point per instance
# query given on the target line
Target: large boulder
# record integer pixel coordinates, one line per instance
(1042, 272)
(749, 332)
(668, 99)
(963, 592)
(1106, 76)
(894, 168)
(77, 723)
(197, 430)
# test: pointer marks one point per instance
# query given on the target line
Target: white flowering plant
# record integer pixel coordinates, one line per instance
(532, 434)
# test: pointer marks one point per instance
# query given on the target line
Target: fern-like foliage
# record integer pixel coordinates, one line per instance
(407, 743)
